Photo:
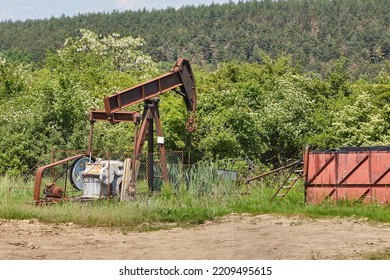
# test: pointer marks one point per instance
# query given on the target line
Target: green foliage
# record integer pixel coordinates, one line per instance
(356, 116)
(360, 122)
(46, 109)
(173, 117)
(263, 112)
(258, 105)
(260, 111)
(13, 77)
(313, 32)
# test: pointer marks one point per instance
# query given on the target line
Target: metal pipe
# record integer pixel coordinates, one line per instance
(272, 171)
(150, 156)
(38, 175)
(90, 138)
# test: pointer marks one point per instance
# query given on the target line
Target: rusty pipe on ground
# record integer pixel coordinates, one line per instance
(273, 171)
(38, 175)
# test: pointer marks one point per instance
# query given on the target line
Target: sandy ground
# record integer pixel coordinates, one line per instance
(232, 237)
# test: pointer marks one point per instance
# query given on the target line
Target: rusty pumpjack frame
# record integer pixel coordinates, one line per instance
(180, 77)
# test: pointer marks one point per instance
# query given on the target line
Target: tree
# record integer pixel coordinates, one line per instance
(122, 54)
(53, 111)
(13, 77)
(362, 123)
(260, 111)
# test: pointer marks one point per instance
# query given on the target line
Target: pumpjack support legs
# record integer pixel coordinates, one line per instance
(150, 117)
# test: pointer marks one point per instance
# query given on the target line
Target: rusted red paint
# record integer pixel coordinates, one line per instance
(181, 79)
(180, 76)
(348, 174)
(39, 174)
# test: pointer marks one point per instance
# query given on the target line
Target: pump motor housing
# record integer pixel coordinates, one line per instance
(102, 179)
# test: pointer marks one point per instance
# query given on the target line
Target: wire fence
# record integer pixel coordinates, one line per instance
(103, 175)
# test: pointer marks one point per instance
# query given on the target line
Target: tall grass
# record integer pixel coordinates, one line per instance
(201, 195)
(205, 178)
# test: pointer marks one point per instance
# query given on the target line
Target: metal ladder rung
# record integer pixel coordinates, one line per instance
(291, 180)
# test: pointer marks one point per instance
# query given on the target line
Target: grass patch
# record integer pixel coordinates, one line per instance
(383, 255)
(202, 198)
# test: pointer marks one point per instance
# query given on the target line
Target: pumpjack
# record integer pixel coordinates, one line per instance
(180, 79)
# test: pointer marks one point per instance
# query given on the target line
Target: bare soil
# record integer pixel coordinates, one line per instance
(232, 237)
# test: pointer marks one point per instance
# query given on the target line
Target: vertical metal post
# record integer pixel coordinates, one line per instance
(306, 171)
(66, 178)
(336, 172)
(150, 156)
(133, 165)
(370, 175)
(149, 116)
(90, 137)
(138, 144)
(109, 175)
(160, 143)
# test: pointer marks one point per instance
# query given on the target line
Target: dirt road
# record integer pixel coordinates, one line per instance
(232, 237)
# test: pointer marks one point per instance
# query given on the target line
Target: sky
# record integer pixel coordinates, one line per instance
(41, 9)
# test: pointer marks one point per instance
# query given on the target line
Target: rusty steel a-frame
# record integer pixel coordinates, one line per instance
(180, 79)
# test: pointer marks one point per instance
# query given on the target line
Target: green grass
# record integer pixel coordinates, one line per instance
(203, 198)
(381, 255)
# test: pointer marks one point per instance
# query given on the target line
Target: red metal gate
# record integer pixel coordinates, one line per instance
(355, 174)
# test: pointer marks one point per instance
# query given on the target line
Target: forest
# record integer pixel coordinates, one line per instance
(313, 32)
(272, 77)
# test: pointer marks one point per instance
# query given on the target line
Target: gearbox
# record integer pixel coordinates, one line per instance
(97, 179)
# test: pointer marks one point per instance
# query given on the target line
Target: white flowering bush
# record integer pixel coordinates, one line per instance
(362, 123)
(13, 77)
(2, 61)
(124, 54)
